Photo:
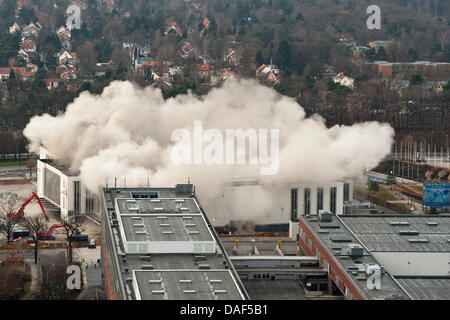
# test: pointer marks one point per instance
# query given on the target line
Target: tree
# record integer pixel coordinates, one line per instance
(35, 225)
(373, 186)
(391, 180)
(70, 230)
(416, 80)
(259, 58)
(8, 223)
(283, 56)
(30, 165)
(52, 279)
(88, 58)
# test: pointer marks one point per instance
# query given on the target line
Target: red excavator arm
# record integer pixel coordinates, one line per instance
(22, 208)
(49, 233)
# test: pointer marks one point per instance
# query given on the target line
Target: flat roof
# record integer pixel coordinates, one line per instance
(158, 210)
(426, 288)
(187, 285)
(401, 233)
(354, 267)
(166, 228)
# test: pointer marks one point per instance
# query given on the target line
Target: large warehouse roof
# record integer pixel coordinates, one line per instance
(401, 233)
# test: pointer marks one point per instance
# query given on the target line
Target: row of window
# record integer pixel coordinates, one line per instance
(320, 199)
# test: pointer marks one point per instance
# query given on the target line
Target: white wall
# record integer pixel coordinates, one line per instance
(415, 263)
(272, 204)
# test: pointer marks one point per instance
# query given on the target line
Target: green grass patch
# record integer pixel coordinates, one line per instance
(13, 163)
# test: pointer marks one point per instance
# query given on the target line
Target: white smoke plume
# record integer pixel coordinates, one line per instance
(125, 133)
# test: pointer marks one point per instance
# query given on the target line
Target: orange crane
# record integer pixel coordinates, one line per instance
(20, 213)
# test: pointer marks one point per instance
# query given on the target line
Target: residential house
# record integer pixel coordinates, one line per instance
(344, 80)
(206, 23)
(232, 57)
(347, 39)
(103, 68)
(28, 46)
(4, 74)
(24, 55)
(30, 30)
(53, 83)
(14, 28)
(224, 75)
(186, 50)
(66, 57)
(268, 73)
(143, 62)
(173, 30)
(205, 69)
(379, 43)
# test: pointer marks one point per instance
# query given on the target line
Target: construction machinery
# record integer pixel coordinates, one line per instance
(48, 235)
(20, 213)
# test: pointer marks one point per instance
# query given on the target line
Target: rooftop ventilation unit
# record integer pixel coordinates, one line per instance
(341, 238)
(220, 291)
(200, 258)
(158, 209)
(167, 232)
(355, 250)
(155, 200)
(325, 216)
(179, 200)
(186, 217)
(204, 266)
(154, 281)
(215, 281)
(408, 232)
(185, 281)
(329, 225)
(418, 240)
(399, 223)
(189, 291)
(190, 224)
(158, 291)
(147, 267)
(432, 224)
(164, 224)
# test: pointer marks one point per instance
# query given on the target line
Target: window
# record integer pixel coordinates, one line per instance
(346, 191)
(294, 213)
(333, 191)
(76, 186)
(319, 199)
(307, 199)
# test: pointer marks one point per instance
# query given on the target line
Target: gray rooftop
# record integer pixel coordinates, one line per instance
(157, 276)
(426, 288)
(401, 233)
(353, 267)
(187, 285)
(166, 228)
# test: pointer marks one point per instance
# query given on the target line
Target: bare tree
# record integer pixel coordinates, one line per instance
(7, 223)
(70, 229)
(35, 225)
(52, 279)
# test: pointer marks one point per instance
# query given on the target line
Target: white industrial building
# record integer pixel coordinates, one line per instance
(63, 188)
(284, 203)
